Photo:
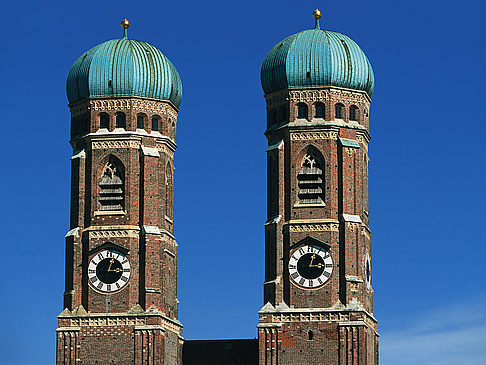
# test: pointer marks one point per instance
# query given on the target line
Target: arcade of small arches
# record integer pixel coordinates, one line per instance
(318, 110)
(154, 123)
(141, 122)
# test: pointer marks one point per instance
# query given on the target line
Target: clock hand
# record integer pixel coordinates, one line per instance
(111, 263)
(312, 260)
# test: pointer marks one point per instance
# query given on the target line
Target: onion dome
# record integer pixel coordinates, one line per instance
(124, 67)
(317, 57)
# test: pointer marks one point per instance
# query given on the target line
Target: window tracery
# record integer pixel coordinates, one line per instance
(111, 195)
(310, 180)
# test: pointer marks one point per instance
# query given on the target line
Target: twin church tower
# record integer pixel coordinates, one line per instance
(120, 299)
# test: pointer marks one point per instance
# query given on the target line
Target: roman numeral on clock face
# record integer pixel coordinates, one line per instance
(310, 267)
(108, 271)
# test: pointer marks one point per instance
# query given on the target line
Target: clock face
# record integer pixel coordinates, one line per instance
(109, 271)
(310, 266)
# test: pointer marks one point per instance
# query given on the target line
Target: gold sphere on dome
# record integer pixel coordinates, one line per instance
(317, 14)
(125, 24)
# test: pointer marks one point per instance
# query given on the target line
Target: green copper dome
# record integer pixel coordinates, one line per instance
(124, 67)
(317, 57)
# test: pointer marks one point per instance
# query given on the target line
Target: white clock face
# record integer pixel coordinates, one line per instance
(310, 266)
(109, 271)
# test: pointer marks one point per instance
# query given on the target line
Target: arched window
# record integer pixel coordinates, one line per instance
(353, 112)
(140, 121)
(302, 110)
(155, 123)
(339, 111)
(169, 192)
(104, 120)
(310, 180)
(121, 121)
(111, 196)
(319, 110)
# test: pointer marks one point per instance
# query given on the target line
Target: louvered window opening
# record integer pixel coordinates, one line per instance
(319, 110)
(111, 189)
(310, 180)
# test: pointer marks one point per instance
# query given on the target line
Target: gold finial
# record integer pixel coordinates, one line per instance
(317, 14)
(125, 24)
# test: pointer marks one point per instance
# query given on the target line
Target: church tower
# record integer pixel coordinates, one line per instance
(120, 297)
(317, 290)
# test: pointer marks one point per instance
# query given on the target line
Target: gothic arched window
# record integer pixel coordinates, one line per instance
(140, 121)
(121, 120)
(302, 111)
(155, 123)
(310, 180)
(319, 110)
(353, 112)
(104, 120)
(111, 196)
(339, 114)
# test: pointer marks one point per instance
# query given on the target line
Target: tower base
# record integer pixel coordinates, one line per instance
(344, 336)
(118, 338)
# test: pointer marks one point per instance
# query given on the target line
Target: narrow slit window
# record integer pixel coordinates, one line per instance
(311, 180)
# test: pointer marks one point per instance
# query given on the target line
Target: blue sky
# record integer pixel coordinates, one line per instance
(427, 165)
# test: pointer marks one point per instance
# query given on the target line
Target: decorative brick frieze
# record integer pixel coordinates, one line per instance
(108, 144)
(96, 232)
(313, 226)
(302, 136)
